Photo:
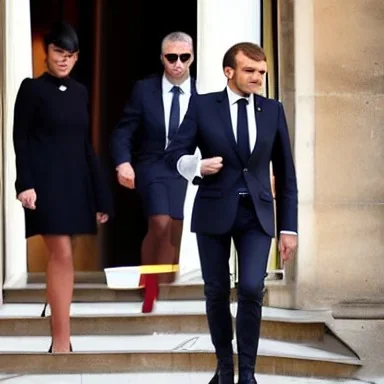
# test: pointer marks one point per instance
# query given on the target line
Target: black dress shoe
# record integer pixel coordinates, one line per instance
(247, 378)
(226, 379)
(221, 379)
(70, 348)
(215, 378)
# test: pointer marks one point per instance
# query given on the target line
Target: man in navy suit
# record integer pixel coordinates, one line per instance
(150, 121)
(238, 133)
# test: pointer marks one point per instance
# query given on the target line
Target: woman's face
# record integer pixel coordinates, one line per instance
(59, 61)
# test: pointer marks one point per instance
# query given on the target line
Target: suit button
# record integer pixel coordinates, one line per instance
(245, 170)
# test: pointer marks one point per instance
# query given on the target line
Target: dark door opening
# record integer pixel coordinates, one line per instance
(132, 32)
(119, 44)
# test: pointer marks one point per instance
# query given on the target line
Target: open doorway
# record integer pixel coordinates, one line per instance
(131, 37)
(119, 44)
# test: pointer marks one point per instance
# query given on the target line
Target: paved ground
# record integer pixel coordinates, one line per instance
(160, 378)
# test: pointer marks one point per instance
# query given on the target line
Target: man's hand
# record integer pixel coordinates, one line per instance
(28, 198)
(211, 166)
(101, 217)
(287, 246)
(126, 175)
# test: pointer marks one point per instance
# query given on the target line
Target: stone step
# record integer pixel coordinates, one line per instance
(81, 277)
(358, 310)
(168, 316)
(159, 378)
(98, 277)
(92, 287)
(95, 292)
(171, 352)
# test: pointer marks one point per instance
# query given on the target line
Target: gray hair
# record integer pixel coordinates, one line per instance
(177, 36)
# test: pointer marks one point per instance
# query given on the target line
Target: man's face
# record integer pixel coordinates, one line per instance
(177, 57)
(248, 76)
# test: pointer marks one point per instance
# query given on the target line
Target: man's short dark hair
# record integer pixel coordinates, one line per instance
(251, 50)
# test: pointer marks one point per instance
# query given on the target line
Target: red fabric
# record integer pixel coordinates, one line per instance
(151, 292)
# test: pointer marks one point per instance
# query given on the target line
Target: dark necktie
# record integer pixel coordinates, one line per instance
(242, 130)
(174, 117)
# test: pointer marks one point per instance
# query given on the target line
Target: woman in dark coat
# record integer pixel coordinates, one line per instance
(59, 178)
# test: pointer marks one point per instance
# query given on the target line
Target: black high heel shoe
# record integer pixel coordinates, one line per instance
(70, 348)
(43, 314)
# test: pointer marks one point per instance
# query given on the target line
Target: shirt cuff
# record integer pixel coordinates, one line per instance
(288, 233)
(189, 166)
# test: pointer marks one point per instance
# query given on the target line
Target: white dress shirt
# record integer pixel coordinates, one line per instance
(233, 98)
(185, 95)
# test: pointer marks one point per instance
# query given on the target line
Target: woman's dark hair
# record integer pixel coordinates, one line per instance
(63, 35)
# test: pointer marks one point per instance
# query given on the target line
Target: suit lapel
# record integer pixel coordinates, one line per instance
(225, 116)
(157, 104)
(261, 127)
(193, 86)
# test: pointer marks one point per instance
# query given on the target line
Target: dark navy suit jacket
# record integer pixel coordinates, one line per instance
(207, 125)
(139, 137)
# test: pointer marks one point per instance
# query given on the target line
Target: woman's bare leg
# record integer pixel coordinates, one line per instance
(60, 279)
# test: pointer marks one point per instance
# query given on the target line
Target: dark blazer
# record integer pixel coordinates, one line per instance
(207, 125)
(139, 137)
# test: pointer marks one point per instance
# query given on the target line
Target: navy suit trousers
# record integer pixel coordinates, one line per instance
(252, 245)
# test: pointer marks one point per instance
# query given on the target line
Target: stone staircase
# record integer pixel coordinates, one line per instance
(110, 335)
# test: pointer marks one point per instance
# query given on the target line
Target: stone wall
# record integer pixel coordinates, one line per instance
(341, 258)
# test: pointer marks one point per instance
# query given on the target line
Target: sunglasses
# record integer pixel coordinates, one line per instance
(173, 57)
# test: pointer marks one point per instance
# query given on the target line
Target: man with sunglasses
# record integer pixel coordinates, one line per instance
(239, 134)
(149, 123)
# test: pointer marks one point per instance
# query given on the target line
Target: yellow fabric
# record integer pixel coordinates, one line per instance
(158, 268)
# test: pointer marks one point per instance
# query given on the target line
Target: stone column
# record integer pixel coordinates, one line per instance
(18, 65)
(2, 63)
(220, 24)
(305, 140)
